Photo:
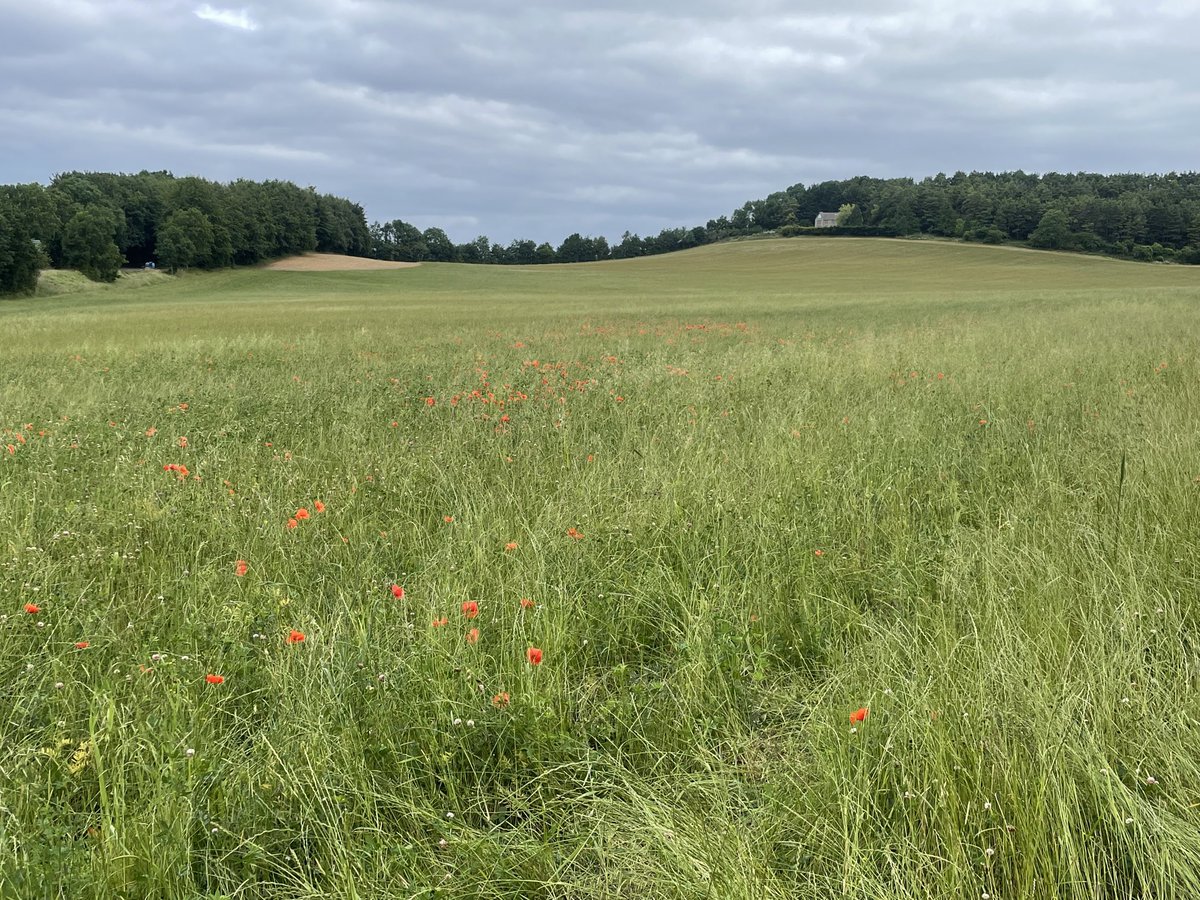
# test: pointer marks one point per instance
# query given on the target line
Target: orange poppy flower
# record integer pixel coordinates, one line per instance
(859, 715)
(32, 608)
(534, 655)
(447, 519)
(429, 401)
(438, 623)
(319, 506)
(500, 700)
(215, 679)
(526, 603)
(302, 513)
(473, 636)
(575, 533)
(292, 523)
(397, 592)
(81, 645)
(511, 545)
(295, 637)
(470, 609)
(241, 568)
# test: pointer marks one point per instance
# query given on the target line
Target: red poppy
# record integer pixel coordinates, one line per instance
(183, 442)
(292, 523)
(534, 655)
(500, 700)
(818, 553)
(526, 603)
(319, 506)
(473, 636)
(302, 513)
(859, 715)
(215, 679)
(470, 609)
(32, 608)
(241, 568)
(81, 645)
(511, 545)
(429, 401)
(397, 592)
(295, 637)
(438, 623)
(575, 533)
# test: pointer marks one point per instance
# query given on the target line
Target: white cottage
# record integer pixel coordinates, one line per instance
(826, 220)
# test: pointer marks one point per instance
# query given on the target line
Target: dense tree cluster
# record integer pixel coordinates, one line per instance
(98, 222)
(1149, 217)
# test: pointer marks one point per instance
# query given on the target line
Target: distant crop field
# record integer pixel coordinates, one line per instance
(779, 569)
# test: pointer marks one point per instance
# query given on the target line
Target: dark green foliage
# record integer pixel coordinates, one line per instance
(186, 240)
(90, 242)
(399, 241)
(99, 221)
(1053, 231)
(838, 231)
(20, 257)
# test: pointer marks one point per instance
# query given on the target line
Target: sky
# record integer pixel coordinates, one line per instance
(537, 119)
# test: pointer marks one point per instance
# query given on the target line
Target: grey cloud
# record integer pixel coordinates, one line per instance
(534, 120)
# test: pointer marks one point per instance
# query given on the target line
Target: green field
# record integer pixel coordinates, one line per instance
(745, 491)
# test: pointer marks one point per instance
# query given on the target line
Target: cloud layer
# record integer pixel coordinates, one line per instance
(534, 120)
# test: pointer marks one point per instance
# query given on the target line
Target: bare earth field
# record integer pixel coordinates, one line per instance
(332, 262)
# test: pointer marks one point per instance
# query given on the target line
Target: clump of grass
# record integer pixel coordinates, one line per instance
(55, 282)
(732, 497)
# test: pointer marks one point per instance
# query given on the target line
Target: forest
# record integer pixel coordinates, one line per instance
(99, 222)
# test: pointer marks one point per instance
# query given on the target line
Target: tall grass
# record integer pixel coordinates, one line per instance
(746, 492)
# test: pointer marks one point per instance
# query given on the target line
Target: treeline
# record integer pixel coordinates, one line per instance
(98, 222)
(1146, 217)
(398, 240)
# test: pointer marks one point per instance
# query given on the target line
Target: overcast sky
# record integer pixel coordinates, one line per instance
(535, 119)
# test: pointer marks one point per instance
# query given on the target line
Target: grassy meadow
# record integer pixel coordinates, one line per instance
(734, 498)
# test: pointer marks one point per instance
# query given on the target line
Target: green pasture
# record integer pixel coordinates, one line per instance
(746, 490)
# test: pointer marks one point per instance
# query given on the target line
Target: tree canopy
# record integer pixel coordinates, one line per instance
(98, 221)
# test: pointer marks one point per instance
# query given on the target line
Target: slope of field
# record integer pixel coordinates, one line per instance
(779, 569)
